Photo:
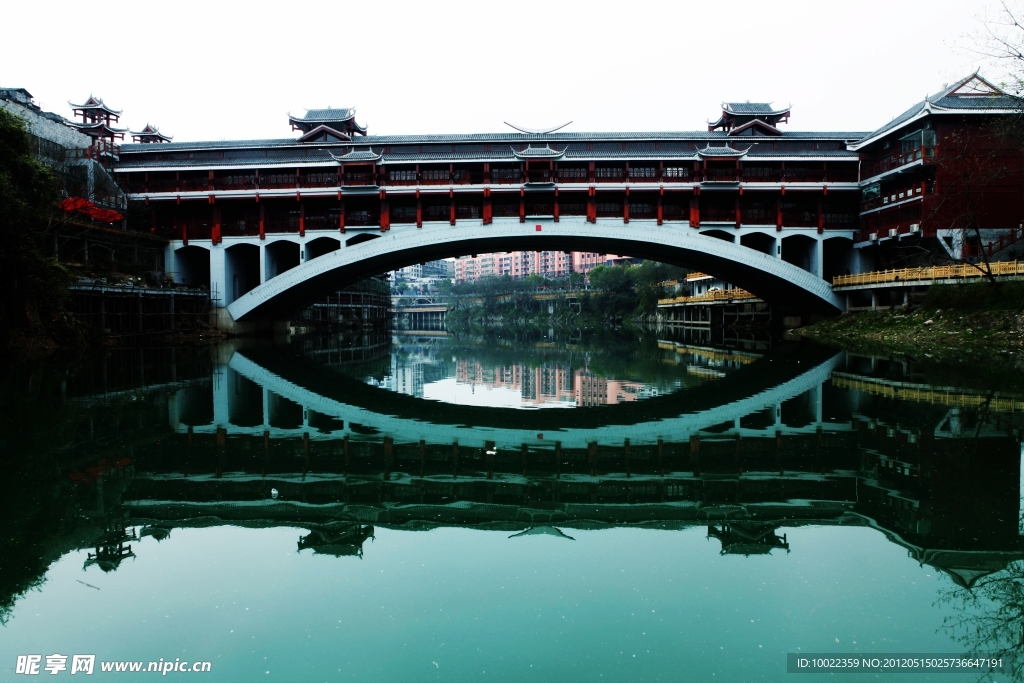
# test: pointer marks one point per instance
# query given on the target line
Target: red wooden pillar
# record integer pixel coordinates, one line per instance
(590, 172)
(451, 210)
(487, 174)
(625, 204)
(385, 212)
(263, 231)
(419, 208)
(592, 201)
(556, 206)
(522, 205)
(695, 208)
(661, 198)
(737, 204)
(778, 210)
(488, 209)
(209, 181)
(302, 215)
(215, 233)
(341, 213)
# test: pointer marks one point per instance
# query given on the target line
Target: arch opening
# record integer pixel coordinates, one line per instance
(192, 266)
(777, 281)
(320, 246)
(241, 271)
(281, 257)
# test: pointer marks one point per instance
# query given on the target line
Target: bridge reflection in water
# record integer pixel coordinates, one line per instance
(786, 439)
(292, 479)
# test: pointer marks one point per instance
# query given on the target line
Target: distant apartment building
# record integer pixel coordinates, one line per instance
(520, 264)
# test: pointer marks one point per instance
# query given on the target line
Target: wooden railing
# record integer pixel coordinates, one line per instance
(713, 295)
(999, 268)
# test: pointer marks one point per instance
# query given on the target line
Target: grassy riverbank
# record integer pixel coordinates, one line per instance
(955, 320)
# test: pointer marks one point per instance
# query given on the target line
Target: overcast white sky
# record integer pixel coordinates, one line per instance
(223, 70)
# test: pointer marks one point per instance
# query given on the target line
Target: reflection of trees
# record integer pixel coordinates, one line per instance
(989, 617)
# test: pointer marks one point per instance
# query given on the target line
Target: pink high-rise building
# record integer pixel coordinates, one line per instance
(520, 264)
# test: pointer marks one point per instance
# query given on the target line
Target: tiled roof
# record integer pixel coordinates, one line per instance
(327, 115)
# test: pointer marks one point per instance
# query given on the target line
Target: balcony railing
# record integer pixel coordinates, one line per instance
(358, 179)
(610, 175)
(237, 182)
(762, 175)
(897, 159)
(505, 176)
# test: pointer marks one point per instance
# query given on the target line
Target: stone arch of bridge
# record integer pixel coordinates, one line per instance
(781, 283)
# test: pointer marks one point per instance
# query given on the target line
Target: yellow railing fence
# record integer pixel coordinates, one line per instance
(999, 268)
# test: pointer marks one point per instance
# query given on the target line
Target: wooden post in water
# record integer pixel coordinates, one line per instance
(344, 448)
(423, 456)
(489, 453)
(389, 458)
(455, 459)
(661, 449)
(625, 448)
(592, 455)
(190, 436)
(524, 451)
(695, 454)
(558, 458)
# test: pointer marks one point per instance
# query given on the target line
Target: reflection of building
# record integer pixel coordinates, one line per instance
(742, 537)
(551, 382)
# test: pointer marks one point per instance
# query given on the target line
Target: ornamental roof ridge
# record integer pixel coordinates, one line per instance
(537, 131)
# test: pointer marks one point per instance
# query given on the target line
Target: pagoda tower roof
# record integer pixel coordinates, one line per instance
(95, 104)
(737, 114)
(150, 134)
(341, 120)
